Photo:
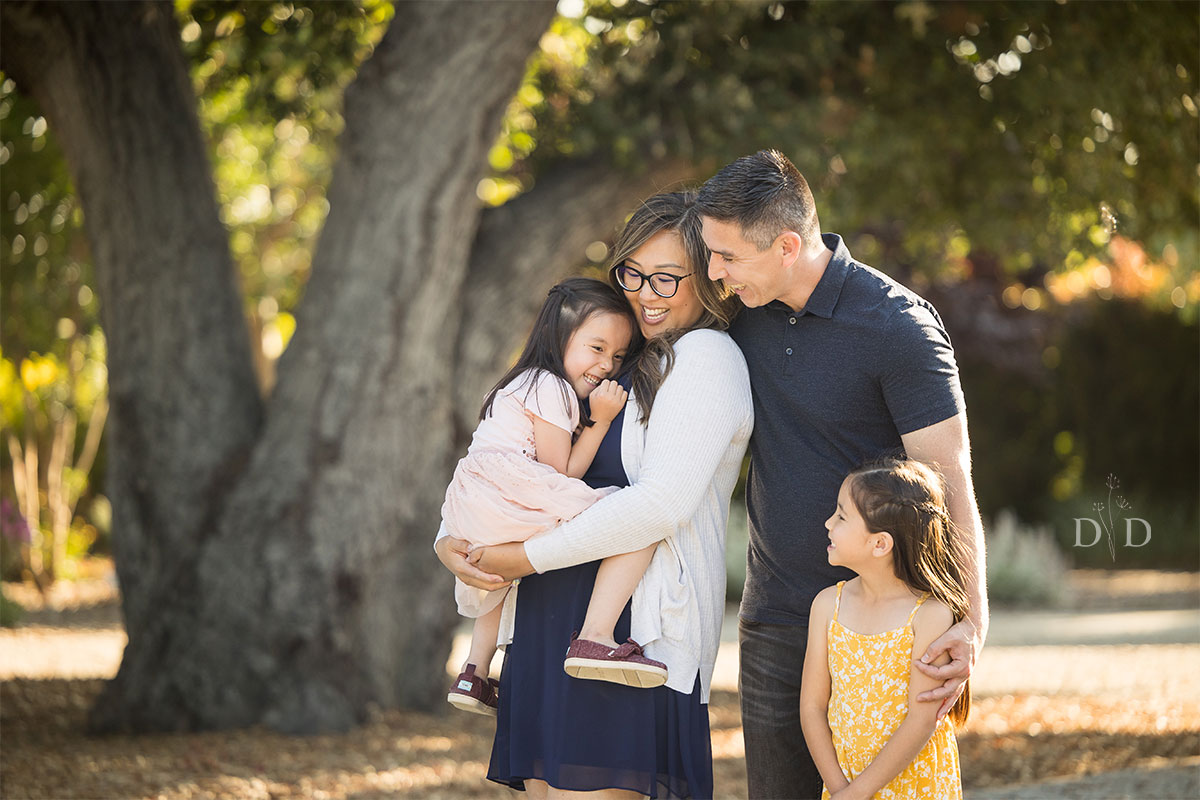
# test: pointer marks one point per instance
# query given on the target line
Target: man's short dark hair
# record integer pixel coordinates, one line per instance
(766, 195)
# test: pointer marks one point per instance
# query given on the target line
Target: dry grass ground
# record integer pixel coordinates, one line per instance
(1085, 711)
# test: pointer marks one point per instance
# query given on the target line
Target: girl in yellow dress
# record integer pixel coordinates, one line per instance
(867, 733)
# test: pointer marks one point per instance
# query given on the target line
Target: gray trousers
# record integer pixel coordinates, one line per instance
(778, 765)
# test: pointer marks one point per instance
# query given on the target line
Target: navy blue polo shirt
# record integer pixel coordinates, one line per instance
(835, 384)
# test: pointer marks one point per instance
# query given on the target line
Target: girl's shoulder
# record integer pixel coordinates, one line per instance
(823, 603)
(933, 616)
(547, 396)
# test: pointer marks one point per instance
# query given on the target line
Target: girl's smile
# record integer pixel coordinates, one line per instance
(595, 351)
(849, 539)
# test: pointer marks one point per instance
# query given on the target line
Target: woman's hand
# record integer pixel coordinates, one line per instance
(507, 560)
(453, 555)
(606, 401)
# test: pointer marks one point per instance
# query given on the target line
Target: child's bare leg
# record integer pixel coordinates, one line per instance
(483, 641)
(615, 582)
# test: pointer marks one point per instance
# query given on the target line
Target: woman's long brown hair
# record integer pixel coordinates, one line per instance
(671, 211)
(906, 498)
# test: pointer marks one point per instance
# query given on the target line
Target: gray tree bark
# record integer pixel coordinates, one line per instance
(184, 408)
(275, 557)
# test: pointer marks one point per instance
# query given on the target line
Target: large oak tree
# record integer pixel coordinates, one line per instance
(274, 550)
(274, 555)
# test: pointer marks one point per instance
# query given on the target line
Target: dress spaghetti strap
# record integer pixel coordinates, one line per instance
(837, 601)
(913, 613)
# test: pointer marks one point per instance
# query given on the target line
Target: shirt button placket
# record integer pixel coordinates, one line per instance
(789, 351)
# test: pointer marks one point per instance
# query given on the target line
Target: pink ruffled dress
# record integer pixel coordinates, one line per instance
(500, 492)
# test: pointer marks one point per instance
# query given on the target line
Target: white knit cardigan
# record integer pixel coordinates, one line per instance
(682, 468)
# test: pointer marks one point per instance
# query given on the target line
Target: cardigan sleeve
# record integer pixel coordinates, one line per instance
(698, 411)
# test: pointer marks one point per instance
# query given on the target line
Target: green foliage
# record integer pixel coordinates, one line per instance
(52, 411)
(961, 137)
(1120, 397)
(10, 612)
(1013, 419)
(1129, 393)
(269, 79)
(1130, 385)
(46, 284)
(1024, 565)
(999, 140)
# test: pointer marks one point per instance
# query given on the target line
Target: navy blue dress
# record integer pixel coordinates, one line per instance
(586, 735)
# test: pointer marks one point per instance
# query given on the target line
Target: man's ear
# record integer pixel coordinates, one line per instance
(790, 246)
(883, 544)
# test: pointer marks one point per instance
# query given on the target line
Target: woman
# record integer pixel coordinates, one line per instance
(677, 448)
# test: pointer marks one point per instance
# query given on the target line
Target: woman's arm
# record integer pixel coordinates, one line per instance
(698, 412)
(932, 620)
(815, 690)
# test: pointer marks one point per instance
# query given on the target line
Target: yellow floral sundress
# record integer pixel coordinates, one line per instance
(868, 699)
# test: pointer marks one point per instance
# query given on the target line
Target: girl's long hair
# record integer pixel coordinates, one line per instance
(568, 305)
(907, 499)
(677, 212)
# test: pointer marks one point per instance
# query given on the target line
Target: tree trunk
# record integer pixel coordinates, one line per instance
(314, 597)
(113, 82)
(275, 560)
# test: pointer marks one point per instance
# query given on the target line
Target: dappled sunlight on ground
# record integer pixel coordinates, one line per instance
(1047, 712)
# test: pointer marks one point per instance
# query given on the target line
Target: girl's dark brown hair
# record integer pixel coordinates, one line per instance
(676, 212)
(568, 305)
(907, 499)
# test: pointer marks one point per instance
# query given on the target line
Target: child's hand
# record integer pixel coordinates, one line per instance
(606, 401)
(847, 793)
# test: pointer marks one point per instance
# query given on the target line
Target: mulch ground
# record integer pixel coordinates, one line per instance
(1009, 739)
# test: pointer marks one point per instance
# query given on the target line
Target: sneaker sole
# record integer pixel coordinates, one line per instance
(641, 676)
(465, 702)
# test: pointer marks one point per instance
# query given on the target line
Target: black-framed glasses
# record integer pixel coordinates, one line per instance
(663, 284)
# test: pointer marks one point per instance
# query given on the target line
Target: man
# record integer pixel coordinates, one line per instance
(845, 365)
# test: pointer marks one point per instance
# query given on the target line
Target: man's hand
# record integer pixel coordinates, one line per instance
(960, 643)
(453, 555)
(606, 401)
(507, 560)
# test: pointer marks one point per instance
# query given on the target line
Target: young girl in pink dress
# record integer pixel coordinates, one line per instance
(520, 476)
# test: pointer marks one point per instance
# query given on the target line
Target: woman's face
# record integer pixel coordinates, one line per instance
(663, 252)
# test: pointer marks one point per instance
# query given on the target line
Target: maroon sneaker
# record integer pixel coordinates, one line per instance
(624, 664)
(473, 693)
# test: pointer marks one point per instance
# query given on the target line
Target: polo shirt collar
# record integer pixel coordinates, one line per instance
(825, 296)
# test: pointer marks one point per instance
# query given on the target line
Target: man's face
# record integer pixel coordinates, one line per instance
(755, 276)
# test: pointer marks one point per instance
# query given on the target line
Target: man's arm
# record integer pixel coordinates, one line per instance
(946, 446)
